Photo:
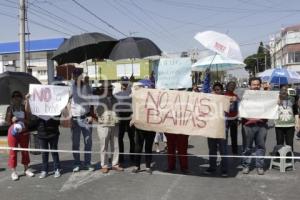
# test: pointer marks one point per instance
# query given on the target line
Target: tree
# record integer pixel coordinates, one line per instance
(258, 62)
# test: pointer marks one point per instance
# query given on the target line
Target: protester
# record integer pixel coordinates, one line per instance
(232, 117)
(17, 118)
(108, 129)
(288, 119)
(81, 121)
(255, 130)
(217, 143)
(141, 137)
(124, 112)
(48, 134)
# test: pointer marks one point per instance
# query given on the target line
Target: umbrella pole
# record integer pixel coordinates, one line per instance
(96, 78)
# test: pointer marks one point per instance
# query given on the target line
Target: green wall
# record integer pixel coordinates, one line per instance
(108, 69)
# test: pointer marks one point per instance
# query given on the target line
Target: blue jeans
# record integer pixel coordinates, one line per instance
(78, 127)
(213, 146)
(257, 134)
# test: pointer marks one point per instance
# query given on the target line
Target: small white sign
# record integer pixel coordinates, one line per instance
(48, 100)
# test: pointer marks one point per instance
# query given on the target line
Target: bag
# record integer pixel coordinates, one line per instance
(34, 144)
(33, 123)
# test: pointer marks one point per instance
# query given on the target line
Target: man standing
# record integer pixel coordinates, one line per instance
(124, 111)
(255, 130)
(81, 121)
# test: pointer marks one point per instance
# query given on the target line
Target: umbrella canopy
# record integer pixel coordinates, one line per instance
(280, 76)
(217, 63)
(134, 47)
(220, 43)
(11, 81)
(147, 83)
(83, 47)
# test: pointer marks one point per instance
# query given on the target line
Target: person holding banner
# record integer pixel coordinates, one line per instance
(124, 112)
(255, 130)
(143, 136)
(217, 143)
(81, 121)
(17, 114)
(232, 117)
(288, 119)
(108, 129)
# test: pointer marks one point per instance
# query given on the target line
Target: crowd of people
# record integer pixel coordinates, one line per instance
(111, 115)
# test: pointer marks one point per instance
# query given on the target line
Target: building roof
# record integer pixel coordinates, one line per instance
(32, 46)
(291, 28)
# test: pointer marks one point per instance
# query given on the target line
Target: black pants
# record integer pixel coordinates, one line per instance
(215, 144)
(232, 126)
(45, 144)
(141, 137)
(285, 134)
(123, 127)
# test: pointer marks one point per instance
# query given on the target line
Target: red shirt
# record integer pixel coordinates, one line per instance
(233, 111)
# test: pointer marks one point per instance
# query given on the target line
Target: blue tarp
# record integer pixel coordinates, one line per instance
(32, 46)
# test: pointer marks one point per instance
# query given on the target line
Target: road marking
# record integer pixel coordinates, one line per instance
(170, 189)
(80, 178)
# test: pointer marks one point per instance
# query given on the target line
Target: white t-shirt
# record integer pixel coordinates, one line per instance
(79, 103)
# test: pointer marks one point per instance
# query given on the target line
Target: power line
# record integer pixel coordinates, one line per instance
(149, 16)
(96, 16)
(34, 22)
(51, 15)
(75, 16)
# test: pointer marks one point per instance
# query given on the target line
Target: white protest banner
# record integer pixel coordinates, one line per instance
(259, 104)
(180, 112)
(173, 73)
(48, 100)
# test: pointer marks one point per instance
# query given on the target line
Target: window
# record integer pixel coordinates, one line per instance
(294, 57)
(297, 56)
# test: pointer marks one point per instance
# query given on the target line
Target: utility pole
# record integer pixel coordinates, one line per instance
(22, 35)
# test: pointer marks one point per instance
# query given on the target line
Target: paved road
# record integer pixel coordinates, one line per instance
(160, 185)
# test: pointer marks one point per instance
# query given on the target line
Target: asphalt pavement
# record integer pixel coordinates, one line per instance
(160, 185)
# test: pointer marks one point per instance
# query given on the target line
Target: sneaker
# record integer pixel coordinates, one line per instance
(57, 173)
(224, 174)
(104, 170)
(260, 171)
(149, 171)
(43, 175)
(246, 170)
(90, 168)
(76, 169)
(14, 176)
(209, 171)
(117, 168)
(185, 171)
(29, 173)
(157, 151)
(136, 170)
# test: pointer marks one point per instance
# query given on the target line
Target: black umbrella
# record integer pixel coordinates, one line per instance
(134, 47)
(11, 81)
(84, 47)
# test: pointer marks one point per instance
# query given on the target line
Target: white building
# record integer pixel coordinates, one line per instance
(38, 57)
(285, 48)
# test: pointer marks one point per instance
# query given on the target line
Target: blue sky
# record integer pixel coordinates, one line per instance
(171, 24)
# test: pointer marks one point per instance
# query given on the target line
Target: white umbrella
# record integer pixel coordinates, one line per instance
(217, 63)
(220, 43)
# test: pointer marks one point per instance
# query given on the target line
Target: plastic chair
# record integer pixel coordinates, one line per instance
(283, 163)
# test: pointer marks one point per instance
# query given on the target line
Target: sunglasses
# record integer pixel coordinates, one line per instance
(17, 95)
